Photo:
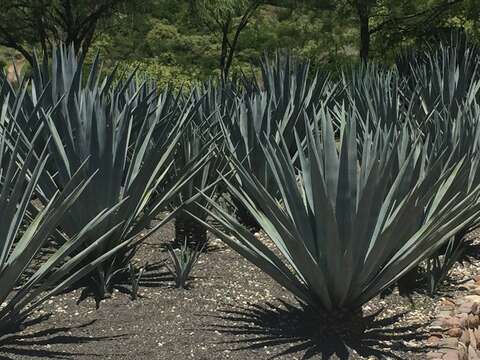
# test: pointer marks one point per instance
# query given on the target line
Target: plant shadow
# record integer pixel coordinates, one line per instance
(297, 330)
(155, 276)
(36, 344)
(209, 248)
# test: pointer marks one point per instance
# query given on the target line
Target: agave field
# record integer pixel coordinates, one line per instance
(290, 214)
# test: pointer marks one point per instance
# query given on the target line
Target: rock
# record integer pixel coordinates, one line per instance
(450, 355)
(475, 310)
(436, 325)
(473, 321)
(455, 332)
(412, 344)
(473, 340)
(446, 301)
(434, 355)
(446, 304)
(448, 343)
(467, 286)
(476, 332)
(466, 307)
(433, 341)
(450, 322)
(465, 338)
(463, 318)
(462, 352)
(472, 353)
(445, 313)
(472, 298)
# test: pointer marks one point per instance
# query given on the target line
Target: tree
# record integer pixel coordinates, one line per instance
(228, 18)
(403, 18)
(25, 24)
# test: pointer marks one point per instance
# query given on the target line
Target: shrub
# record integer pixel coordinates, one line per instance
(350, 221)
(26, 280)
(129, 134)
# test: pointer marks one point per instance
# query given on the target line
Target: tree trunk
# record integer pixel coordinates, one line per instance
(363, 16)
(87, 41)
(224, 50)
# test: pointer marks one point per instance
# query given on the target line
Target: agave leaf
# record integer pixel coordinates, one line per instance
(351, 220)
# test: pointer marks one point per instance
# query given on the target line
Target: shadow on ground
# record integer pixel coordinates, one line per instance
(155, 276)
(296, 327)
(37, 344)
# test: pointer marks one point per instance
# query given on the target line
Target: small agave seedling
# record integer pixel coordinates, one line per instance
(183, 260)
(135, 277)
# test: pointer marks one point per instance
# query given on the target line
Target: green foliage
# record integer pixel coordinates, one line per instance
(203, 132)
(164, 76)
(26, 279)
(175, 39)
(439, 266)
(183, 259)
(353, 218)
(172, 41)
(26, 25)
(215, 11)
(164, 37)
(124, 131)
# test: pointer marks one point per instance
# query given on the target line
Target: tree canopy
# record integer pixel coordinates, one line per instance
(187, 40)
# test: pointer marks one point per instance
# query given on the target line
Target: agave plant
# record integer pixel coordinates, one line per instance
(458, 135)
(281, 99)
(290, 83)
(135, 277)
(203, 131)
(252, 117)
(26, 279)
(439, 266)
(129, 135)
(435, 95)
(350, 221)
(378, 95)
(445, 76)
(183, 259)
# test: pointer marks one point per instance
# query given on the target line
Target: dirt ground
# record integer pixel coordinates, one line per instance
(232, 311)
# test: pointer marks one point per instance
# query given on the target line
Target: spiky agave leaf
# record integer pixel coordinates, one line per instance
(203, 131)
(286, 96)
(348, 225)
(130, 135)
(444, 77)
(378, 95)
(183, 259)
(456, 134)
(22, 236)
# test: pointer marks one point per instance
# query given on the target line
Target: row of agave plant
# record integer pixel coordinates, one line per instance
(355, 181)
